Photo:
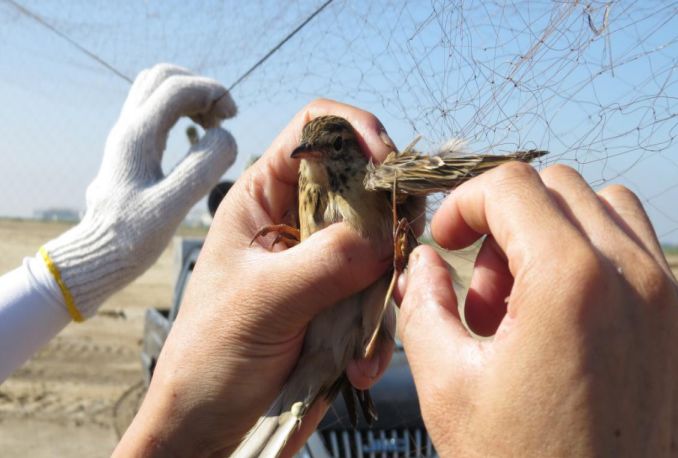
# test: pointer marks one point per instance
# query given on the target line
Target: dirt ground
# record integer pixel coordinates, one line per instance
(70, 397)
(76, 395)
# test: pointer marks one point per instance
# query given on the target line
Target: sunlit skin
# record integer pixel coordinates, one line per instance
(331, 190)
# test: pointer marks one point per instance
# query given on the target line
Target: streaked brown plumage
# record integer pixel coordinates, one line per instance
(420, 175)
(333, 177)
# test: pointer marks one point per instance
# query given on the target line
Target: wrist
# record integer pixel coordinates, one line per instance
(183, 411)
(156, 431)
(88, 264)
(177, 421)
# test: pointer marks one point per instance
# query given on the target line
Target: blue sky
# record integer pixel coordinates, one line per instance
(598, 93)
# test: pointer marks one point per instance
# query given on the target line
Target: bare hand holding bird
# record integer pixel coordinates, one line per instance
(337, 183)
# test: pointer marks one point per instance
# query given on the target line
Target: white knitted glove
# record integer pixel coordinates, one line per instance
(132, 208)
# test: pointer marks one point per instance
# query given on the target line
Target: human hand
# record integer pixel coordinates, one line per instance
(242, 321)
(585, 310)
(132, 208)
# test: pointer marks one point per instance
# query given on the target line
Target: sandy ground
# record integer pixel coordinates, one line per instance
(69, 399)
(75, 395)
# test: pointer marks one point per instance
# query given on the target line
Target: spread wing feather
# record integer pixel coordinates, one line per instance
(420, 175)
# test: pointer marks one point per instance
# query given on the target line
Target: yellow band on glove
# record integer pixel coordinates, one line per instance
(68, 298)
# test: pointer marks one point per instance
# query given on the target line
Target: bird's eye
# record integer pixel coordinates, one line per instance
(338, 143)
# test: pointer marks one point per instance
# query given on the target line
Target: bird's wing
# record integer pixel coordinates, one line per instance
(420, 175)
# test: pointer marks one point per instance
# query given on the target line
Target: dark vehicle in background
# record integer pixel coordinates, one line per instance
(399, 431)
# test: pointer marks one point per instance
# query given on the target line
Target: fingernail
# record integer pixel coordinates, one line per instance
(387, 140)
(372, 368)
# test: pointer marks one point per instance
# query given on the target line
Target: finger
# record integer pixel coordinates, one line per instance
(401, 284)
(627, 210)
(363, 373)
(588, 213)
(511, 203)
(433, 336)
(203, 99)
(222, 108)
(195, 175)
(148, 81)
(490, 287)
(273, 178)
(329, 266)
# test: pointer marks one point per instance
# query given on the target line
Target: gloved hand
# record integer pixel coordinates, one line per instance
(133, 209)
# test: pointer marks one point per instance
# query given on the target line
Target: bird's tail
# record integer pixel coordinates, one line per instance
(272, 431)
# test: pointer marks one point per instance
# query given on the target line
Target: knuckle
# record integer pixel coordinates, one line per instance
(589, 270)
(142, 75)
(164, 71)
(560, 171)
(174, 86)
(654, 284)
(159, 69)
(516, 171)
(619, 193)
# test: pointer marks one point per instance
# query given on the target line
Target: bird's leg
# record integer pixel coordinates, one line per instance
(403, 243)
(284, 232)
(402, 239)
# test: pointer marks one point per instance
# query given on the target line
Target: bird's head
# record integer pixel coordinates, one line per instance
(329, 139)
(333, 155)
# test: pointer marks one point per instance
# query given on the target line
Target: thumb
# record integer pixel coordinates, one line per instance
(199, 171)
(429, 324)
(330, 265)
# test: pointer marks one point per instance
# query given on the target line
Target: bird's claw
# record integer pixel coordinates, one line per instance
(285, 233)
(402, 245)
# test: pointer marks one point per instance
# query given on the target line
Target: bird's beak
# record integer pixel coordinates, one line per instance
(305, 151)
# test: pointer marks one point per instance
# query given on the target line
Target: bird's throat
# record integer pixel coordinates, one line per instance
(329, 195)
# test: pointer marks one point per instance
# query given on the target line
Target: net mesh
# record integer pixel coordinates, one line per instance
(592, 82)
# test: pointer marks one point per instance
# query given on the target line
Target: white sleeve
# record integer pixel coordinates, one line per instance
(32, 312)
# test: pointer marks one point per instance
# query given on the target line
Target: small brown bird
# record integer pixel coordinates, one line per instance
(338, 183)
